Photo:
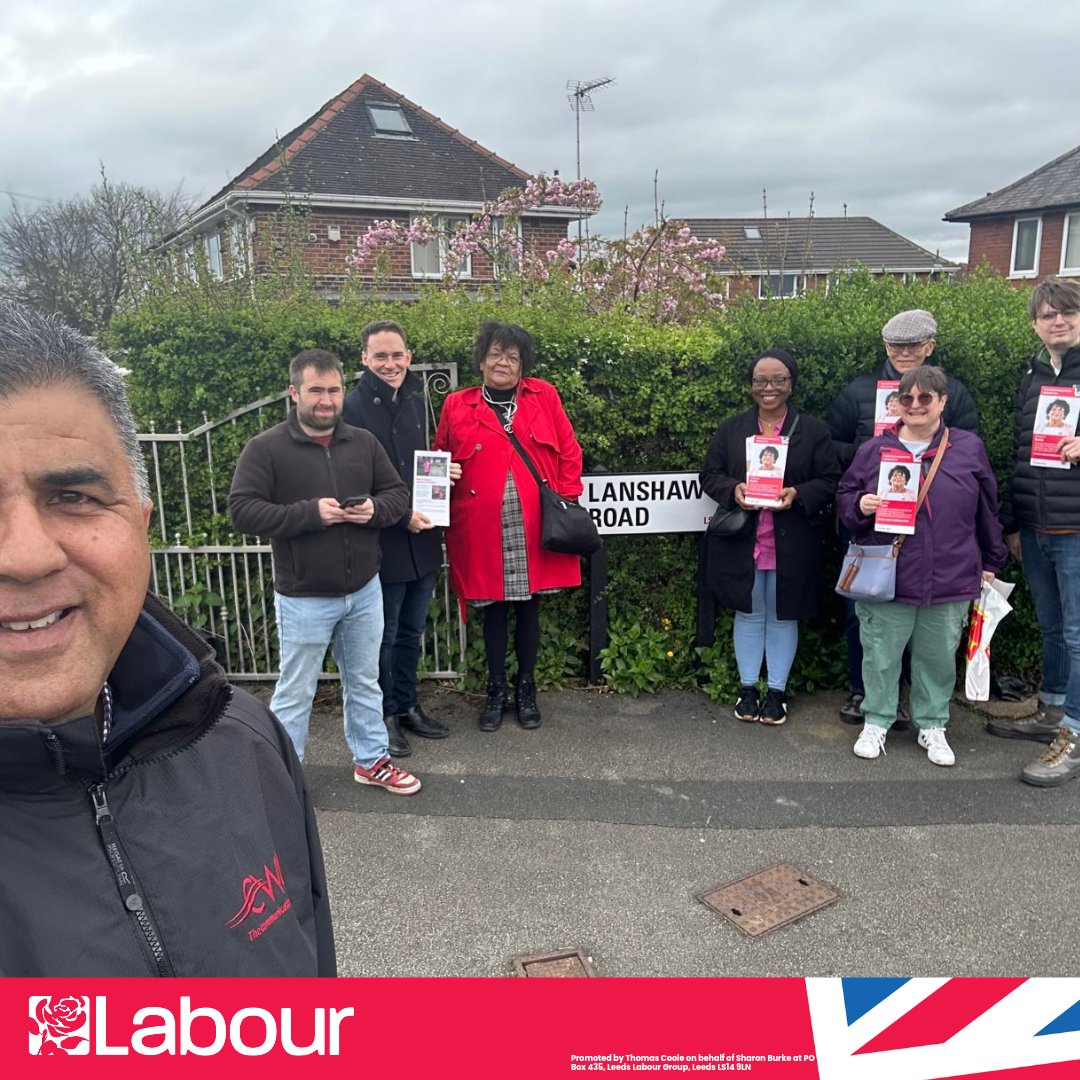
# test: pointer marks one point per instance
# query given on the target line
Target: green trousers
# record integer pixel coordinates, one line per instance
(934, 633)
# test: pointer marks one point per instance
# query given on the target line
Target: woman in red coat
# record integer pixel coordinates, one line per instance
(493, 542)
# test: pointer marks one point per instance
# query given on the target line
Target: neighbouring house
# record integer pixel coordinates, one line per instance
(368, 154)
(779, 257)
(1029, 229)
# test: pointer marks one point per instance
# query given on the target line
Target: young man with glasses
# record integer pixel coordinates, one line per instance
(910, 338)
(1040, 514)
(388, 400)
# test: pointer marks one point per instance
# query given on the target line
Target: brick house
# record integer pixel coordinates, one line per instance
(368, 154)
(1029, 229)
(779, 257)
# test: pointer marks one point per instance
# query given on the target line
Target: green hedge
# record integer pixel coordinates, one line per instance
(641, 397)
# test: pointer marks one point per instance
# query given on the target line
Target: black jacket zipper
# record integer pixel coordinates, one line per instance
(126, 881)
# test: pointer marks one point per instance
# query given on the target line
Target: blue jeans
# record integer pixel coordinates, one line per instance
(353, 624)
(762, 635)
(405, 608)
(1052, 569)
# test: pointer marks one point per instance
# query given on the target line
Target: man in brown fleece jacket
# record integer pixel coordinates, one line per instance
(321, 491)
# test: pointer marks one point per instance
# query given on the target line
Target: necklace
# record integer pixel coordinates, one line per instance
(503, 409)
(106, 711)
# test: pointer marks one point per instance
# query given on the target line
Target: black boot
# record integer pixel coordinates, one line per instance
(491, 715)
(528, 715)
(398, 744)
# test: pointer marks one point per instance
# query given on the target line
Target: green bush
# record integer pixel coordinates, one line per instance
(642, 397)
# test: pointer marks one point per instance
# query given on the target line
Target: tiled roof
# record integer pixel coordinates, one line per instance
(813, 245)
(336, 151)
(1054, 184)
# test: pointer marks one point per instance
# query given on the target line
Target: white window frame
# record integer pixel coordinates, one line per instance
(1065, 270)
(1034, 271)
(781, 295)
(212, 248)
(441, 222)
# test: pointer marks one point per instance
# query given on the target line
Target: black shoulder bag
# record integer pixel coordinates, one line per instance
(566, 526)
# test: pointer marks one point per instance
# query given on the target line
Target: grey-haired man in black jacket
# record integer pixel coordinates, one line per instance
(155, 819)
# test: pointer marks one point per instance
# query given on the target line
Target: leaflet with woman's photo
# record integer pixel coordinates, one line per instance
(898, 486)
(766, 456)
(1055, 419)
(431, 485)
(886, 405)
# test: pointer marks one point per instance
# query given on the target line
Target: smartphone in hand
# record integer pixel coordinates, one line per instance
(352, 500)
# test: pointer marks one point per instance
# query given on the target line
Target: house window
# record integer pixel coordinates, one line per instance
(190, 264)
(751, 232)
(238, 255)
(1070, 245)
(389, 120)
(506, 259)
(212, 247)
(777, 286)
(1027, 233)
(429, 260)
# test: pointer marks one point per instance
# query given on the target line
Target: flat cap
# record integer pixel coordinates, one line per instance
(909, 327)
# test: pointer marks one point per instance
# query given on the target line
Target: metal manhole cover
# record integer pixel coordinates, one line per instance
(567, 964)
(773, 897)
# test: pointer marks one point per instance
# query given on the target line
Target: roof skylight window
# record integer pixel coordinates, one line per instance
(389, 120)
(751, 232)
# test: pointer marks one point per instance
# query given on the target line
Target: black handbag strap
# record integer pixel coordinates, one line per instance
(528, 460)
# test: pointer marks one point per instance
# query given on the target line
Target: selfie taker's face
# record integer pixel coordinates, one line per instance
(74, 557)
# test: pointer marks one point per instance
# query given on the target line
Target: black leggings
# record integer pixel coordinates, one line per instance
(526, 636)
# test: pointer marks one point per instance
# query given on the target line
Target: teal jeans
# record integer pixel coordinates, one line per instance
(934, 633)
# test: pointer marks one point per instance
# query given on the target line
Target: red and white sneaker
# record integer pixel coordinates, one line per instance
(389, 777)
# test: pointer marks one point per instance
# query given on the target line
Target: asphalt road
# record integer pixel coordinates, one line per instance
(599, 830)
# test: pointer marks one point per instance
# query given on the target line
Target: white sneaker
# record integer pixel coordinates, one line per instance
(871, 741)
(933, 741)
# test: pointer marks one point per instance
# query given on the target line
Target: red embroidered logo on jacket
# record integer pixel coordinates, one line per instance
(258, 893)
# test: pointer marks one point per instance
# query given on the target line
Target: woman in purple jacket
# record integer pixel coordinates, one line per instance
(957, 544)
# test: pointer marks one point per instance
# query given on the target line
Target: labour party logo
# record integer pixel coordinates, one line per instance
(59, 1025)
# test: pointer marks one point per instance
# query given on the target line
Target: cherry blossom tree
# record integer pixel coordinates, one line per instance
(661, 271)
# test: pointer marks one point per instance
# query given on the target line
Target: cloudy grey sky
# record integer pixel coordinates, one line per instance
(900, 110)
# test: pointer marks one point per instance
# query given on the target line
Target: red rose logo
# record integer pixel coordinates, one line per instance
(58, 1018)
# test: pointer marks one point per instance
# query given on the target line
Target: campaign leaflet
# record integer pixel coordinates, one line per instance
(1055, 419)
(766, 457)
(431, 485)
(898, 480)
(886, 405)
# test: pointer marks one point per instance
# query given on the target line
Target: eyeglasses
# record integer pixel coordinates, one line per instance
(382, 357)
(907, 400)
(511, 358)
(907, 347)
(777, 381)
(1051, 316)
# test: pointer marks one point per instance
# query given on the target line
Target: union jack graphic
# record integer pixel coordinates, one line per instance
(933, 1029)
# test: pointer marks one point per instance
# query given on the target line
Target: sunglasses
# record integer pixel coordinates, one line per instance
(907, 400)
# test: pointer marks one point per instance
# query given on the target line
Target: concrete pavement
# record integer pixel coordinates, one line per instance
(598, 830)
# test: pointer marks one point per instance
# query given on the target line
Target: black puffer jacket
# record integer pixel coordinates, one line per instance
(185, 846)
(1039, 498)
(399, 427)
(851, 415)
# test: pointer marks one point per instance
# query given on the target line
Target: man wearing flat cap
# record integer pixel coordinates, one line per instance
(910, 338)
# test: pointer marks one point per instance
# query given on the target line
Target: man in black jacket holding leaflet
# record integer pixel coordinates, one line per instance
(1040, 514)
(130, 771)
(388, 400)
